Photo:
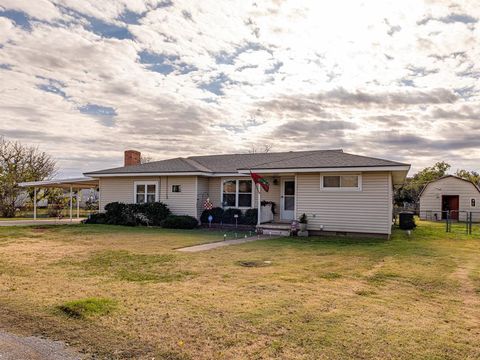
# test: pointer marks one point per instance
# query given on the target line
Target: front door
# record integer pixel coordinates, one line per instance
(287, 209)
(450, 203)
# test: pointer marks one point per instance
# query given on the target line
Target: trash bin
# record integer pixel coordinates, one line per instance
(407, 221)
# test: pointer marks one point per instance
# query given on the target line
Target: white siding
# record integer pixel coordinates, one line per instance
(202, 193)
(365, 211)
(121, 189)
(431, 198)
(181, 203)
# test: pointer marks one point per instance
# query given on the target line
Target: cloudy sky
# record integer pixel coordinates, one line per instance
(85, 80)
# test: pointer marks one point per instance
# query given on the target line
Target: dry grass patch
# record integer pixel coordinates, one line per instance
(321, 298)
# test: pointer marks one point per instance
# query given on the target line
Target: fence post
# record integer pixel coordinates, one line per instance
(470, 223)
(448, 221)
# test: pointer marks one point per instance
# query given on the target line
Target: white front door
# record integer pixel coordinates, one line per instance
(287, 209)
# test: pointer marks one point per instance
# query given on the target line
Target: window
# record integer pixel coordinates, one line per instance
(145, 192)
(237, 193)
(341, 182)
(176, 188)
(473, 202)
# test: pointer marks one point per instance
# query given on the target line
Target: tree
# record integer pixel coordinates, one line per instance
(410, 191)
(20, 163)
(472, 176)
(266, 149)
(146, 159)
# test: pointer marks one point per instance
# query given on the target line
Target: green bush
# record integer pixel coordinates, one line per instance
(229, 216)
(98, 218)
(114, 213)
(155, 212)
(180, 222)
(217, 214)
(136, 214)
(250, 217)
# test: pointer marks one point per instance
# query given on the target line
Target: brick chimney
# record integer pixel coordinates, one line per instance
(132, 157)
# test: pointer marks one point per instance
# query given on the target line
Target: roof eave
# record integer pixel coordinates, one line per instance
(330, 169)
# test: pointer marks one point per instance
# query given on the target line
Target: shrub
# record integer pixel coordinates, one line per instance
(136, 214)
(180, 222)
(98, 218)
(229, 216)
(132, 216)
(87, 307)
(115, 213)
(217, 214)
(155, 212)
(250, 217)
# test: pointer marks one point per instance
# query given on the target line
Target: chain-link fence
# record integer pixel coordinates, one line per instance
(456, 221)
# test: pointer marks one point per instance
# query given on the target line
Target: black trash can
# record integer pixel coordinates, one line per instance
(407, 221)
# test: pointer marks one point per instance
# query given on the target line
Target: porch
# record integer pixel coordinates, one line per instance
(277, 207)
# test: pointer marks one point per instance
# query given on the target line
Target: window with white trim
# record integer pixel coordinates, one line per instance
(341, 182)
(473, 202)
(176, 188)
(145, 192)
(237, 193)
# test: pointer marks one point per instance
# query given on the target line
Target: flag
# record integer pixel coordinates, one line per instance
(257, 179)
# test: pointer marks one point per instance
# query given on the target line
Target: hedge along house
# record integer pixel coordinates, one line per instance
(450, 195)
(338, 192)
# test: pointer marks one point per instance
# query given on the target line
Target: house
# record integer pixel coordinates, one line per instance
(339, 192)
(450, 195)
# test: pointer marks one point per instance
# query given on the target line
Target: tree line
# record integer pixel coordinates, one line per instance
(409, 192)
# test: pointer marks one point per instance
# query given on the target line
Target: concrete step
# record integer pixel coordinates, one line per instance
(275, 232)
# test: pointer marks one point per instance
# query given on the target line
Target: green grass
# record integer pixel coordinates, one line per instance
(410, 297)
(84, 308)
(128, 266)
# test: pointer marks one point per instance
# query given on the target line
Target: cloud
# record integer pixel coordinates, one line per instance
(312, 128)
(450, 19)
(177, 78)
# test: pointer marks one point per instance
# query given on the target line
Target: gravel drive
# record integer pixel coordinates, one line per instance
(14, 347)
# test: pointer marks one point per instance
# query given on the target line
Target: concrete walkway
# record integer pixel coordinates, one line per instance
(40, 222)
(218, 244)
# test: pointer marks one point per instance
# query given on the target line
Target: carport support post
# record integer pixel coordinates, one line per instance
(71, 203)
(78, 203)
(35, 203)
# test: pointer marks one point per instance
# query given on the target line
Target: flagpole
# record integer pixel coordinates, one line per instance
(258, 204)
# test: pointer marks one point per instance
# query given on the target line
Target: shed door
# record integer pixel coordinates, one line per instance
(450, 203)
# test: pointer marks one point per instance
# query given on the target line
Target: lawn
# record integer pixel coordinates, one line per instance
(119, 292)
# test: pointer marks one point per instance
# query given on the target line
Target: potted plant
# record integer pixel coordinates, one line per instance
(303, 222)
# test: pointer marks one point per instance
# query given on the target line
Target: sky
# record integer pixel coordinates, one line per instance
(85, 80)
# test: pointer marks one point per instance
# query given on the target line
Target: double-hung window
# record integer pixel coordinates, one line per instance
(341, 182)
(145, 192)
(237, 193)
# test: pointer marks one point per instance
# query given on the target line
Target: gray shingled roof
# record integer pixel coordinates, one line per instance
(231, 163)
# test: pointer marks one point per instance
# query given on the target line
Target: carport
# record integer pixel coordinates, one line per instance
(71, 184)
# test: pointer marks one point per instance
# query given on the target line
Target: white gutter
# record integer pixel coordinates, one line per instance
(315, 170)
(164, 174)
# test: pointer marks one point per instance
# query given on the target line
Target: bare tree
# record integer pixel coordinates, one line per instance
(20, 163)
(146, 159)
(266, 149)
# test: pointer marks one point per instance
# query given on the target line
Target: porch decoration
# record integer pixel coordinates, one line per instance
(207, 204)
(260, 180)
